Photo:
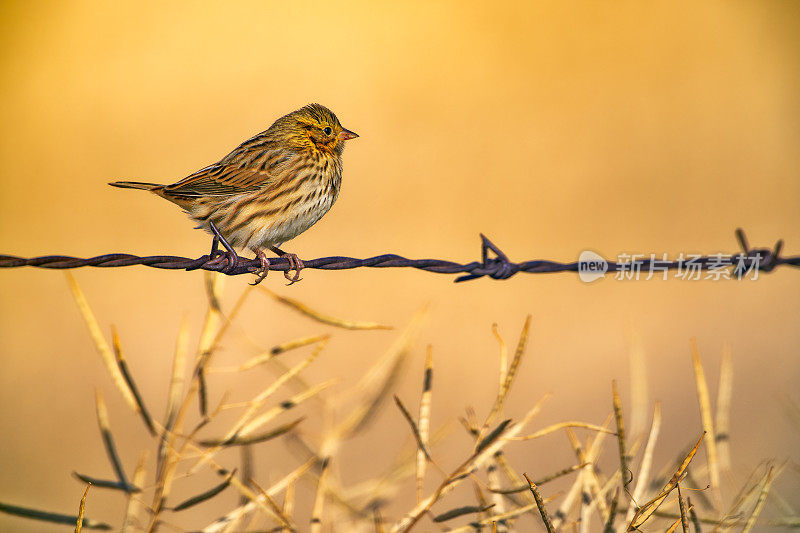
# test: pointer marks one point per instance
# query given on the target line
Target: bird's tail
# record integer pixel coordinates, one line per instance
(136, 185)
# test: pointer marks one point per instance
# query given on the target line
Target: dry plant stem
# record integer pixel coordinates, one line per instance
(100, 343)
(503, 354)
(708, 424)
(122, 364)
(234, 525)
(674, 515)
(483, 503)
(540, 504)
(258, 502)
(362, 505)
(271, 510)
(233, 516)
(601, 497)
(498, 503)
(213, 284)
(210, 341)
(261, 437)
(470, 421)
(212, 333)
(524, 488)
(645, 511)
(288, 502)
(588, 475)
(243, 435)
(424, 422)
(526, 497)
(585, 514)
(250, 427)
(513, 478)
(479, 496)
(762, 496)
(724, 395)
(592, 478)
(612, 513)
(336, 495)
(414, 429)
(319, 499)
(55, 518)
(666, 473)
(168, 458)
(643, 480)
(273, 352)
(108, 440)
(376, 384)
(210, 329)
(387, 485)
(174, 409)
(246, 423)
(492, 475)
(298, 383)
(473, 526)
(682, 506)
(178, 369)
(207, 495)
(562, 425)
(483, 452)
(740, 502)
(623, 457)
(461, 511)
(278, 510)
(319, 317)
(505, 386)
(105, 483)
(693, 516)
(377, 521)
(129, 523)
(569, 500)
(81, 509)
(675, 525)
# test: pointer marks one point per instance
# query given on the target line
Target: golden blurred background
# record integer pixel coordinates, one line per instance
(551, 127)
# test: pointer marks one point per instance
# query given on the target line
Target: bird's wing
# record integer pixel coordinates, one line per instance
(233, 175)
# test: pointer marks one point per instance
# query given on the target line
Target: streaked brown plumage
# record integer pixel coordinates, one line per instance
(268, 190)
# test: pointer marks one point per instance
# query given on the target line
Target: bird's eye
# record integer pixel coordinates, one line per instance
(327, 130)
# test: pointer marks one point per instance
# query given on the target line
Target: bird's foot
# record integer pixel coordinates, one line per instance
(230, 259)
(261, 271)
(230, 255)
(295, 263)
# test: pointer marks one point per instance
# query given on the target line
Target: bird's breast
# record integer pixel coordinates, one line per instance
(277, 214)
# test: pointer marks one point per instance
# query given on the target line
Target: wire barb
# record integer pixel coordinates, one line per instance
(499, 266)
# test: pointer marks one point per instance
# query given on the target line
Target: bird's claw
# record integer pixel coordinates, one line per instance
(231, 260)
(262, 270)
(296, 264)
(230, 255)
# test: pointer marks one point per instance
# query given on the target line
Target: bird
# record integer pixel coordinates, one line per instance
(268, 190)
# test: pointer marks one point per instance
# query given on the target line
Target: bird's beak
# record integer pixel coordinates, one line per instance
(347, 134)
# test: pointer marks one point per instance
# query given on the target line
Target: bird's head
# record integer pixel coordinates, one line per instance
(313, 127)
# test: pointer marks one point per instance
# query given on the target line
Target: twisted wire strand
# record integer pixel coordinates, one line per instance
(498, 266)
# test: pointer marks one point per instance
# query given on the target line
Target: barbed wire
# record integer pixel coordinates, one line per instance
(498, 266)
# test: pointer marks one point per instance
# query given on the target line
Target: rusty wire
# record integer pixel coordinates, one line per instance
(498, 266)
